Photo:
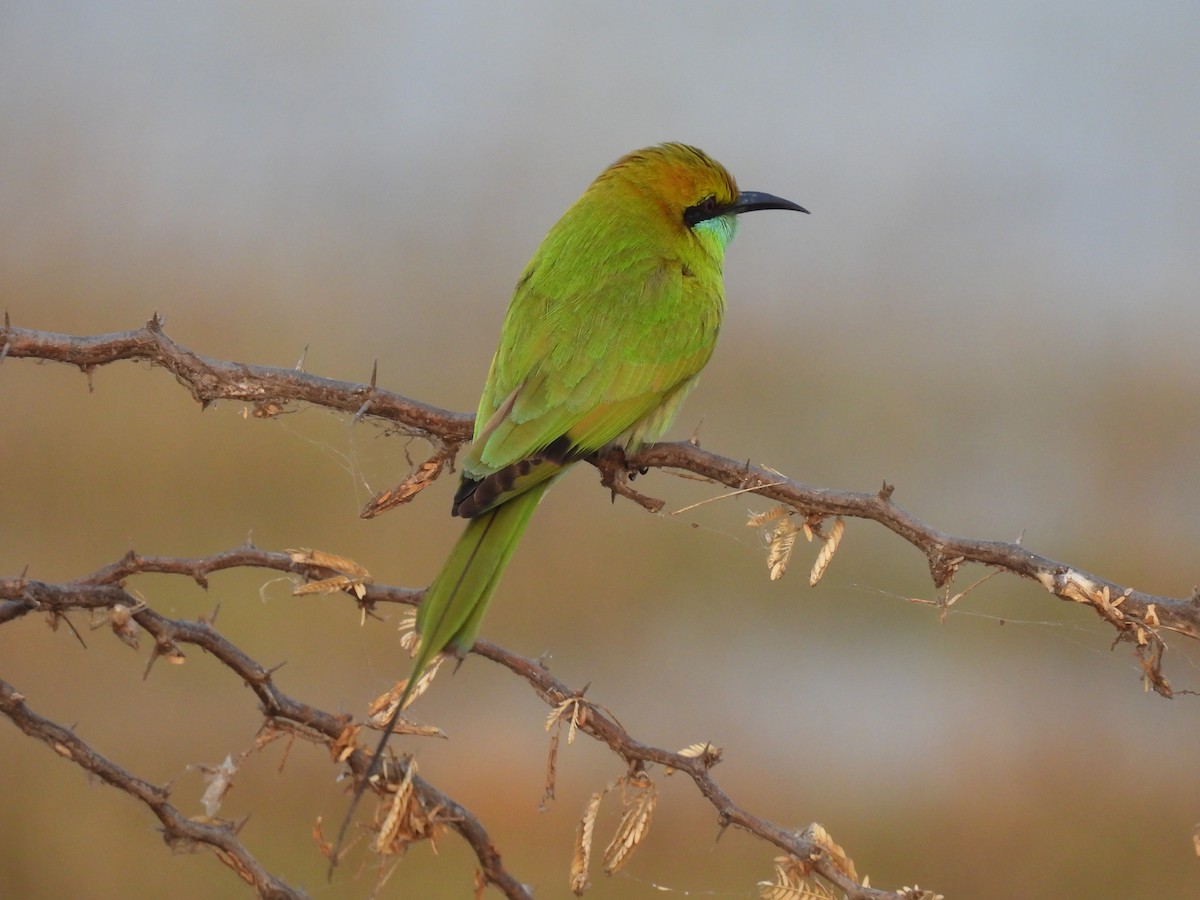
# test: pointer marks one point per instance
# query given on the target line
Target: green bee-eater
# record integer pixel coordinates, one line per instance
(608, 329)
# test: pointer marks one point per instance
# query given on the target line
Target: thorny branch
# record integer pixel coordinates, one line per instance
(1137, 617)
(104, 590)
(179, 831)
(267, 387)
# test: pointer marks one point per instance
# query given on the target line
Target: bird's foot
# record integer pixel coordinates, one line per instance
(616, 473)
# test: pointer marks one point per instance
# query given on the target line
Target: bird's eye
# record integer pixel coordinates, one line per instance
(705, 209)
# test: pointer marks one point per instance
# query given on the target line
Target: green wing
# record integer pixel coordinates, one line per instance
(583, 365)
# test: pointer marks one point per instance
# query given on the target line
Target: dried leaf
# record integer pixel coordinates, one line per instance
(409, 639)
(693, 751)
(1104, 600)
(582, 858)
(120, 619)
(577, 707)
(554, 717)
(405, 819)
(779, 554)
(828, 548)
(324, 560)
(574, 711)
(393, 836)
(425, 474)
(758, 520)
(836, 854)
(781, 539)
(123, 625)
(577, 715)
(355, 586)
(351, 576)
(345, 744)
(792, 883)
(635, 823)
(220, 780)
(384, 705)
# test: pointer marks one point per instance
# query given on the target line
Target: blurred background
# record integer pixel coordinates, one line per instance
(993, 306)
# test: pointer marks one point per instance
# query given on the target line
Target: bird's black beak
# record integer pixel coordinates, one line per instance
(748, 201)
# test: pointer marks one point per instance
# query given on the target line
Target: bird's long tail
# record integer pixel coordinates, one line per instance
(453, 608)
(454, 604)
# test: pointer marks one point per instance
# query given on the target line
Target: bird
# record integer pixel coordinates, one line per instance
(608, 328)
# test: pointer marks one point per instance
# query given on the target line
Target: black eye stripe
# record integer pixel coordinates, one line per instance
(705, 209)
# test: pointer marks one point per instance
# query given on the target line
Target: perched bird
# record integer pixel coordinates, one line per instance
(608, 329)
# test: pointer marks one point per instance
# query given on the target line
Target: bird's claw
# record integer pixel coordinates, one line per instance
(616, 473)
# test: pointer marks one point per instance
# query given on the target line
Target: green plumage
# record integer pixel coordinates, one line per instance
(607, 331)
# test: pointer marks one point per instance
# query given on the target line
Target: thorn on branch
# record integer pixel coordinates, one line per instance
(885, 492)
(167, 649)
(746, 474)
(368, 394)
(178, 829)
(57, 616)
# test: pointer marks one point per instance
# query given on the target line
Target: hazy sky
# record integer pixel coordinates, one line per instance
(1036, 154)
